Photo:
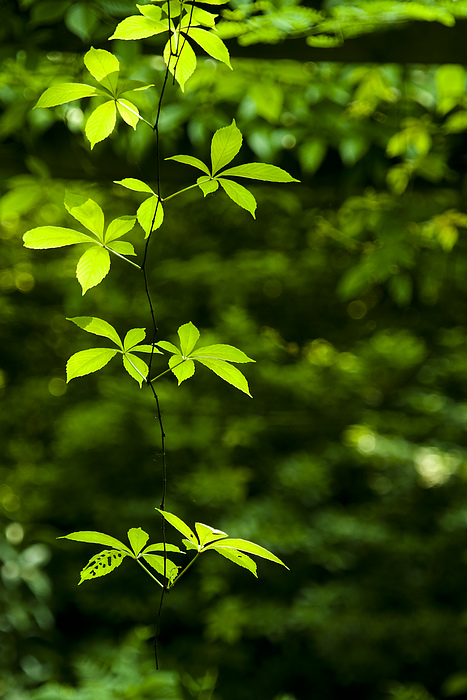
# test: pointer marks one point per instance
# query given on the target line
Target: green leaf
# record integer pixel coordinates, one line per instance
(128, 112)
(122, 247)
(132, 86)
(182, 64)
(189, 336)
(183, 369)
(88, 361)
(240, 195)
(101, 122)
(102, 564)
(133, 337)
(260, 171)
(138, 28)
(146, 348)
(145, 214)
(225, 145)
(95, 538)
(179, 525)
(159, 547)
(101, 63)
(208, 19)
(65, 92)
(206, 185)
(246, 546)
(151, 12)
(92, 267)
(238, 558)
(227, 372)
(165, 345)
(189, 545)
(137, 538)
(207, 534)
(191, 160)
(98, 326)
(211, 43)
(87, 212)
(136, 367)
(157, 563)
(132, 183)
(118, 227)
(221, 352)
(54, 237)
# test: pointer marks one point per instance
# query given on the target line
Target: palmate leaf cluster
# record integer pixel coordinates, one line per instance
(206, 539)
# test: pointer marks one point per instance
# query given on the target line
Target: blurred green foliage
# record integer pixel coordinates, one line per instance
(351, 461)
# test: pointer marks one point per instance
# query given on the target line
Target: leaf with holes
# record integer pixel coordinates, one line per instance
(102, 564)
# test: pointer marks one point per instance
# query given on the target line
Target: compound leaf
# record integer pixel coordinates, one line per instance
(211, 43)
(102, 564)
(246, 546)
(88, 361)
(179, 525)
(101, 122)
(191, 160)
(98, 326)
(260, 171)
(238, 558)
(54, 237)
(150, 212)
(240, 195)
(65, 92)
(136, 367)
(92, 267)
(87, 212)
(100, 63)
(137, 538)
(227, 372)
(189, 336)
(225, 145)
(92, 537)
(131, 183)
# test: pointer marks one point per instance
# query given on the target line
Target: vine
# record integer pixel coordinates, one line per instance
(185, 22)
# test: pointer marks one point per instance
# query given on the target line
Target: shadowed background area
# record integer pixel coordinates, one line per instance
(350, 462)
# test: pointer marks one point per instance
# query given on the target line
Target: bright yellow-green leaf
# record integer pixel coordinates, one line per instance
(227, 372)
(133, 337)
(98, 326)
(221, 352)
(137, 538)
(211, 43)
(240, 195)
(101, 63)
(131, 183)
(101, 122)
(225, 145)
(128, 112)
(238, 558)
(54, 237)
(65, 92)
(96, 538)
(138, 28)
(122, 247)
(102, 564)
(88, 361)
(118, 227)
(191, 160)
(136, 367)
(260, 171)
(86, 211)
(183, 369)
(92, 267)
(246, 546)
(179, 525)
(207, 534)
(150, 214)
(181, 60)
(189, 336)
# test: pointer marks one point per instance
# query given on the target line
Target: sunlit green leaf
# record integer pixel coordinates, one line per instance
(189, 336)
(225, 145)
(182, 63)
(157, 563)
(54, 237)
(138, 28)
(88, 361)
(132, 183)
(97, 326)
(159, 547)
(221, 352)
(122, 247)
(136, 367)
(208, 19)
(128, 112)
(165, 345)
(150, 214)
(179, 525)
(211, 43)
(206, 185)
(238, 558)
(146, 348)
(92, 267)
(260, 171)
(191, 160)
(65, 92)
(133, 337)
(101, 122)
(183, 369)
(102, 564)
(118, 227)
(95, 538)
(151, 12)
(246, 546)
(207, 534)
(137, 538)
(86, 211)
(227, 372)
(239, 194)
(100, 63)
